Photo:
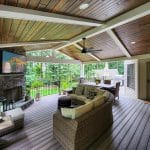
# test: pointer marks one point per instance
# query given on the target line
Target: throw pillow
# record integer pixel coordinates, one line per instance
(79, 90)
(87, 89)
(75, 98)
(91, 94)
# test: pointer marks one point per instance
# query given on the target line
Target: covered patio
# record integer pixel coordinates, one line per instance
(49, 48)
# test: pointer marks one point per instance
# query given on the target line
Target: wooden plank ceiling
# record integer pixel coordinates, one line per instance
(74, 52)
(106, 44)
(136, 35)
(98, 9)
(13, 30)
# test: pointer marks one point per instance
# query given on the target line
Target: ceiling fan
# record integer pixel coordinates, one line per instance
(88, 50)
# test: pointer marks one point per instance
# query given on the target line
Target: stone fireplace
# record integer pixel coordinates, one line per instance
(12, 86)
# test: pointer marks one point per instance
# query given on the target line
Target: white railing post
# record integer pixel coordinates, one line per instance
(82, 70)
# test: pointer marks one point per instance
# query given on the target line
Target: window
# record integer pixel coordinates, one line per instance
(131, 76)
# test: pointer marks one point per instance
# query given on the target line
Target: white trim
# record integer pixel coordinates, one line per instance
(144, 56)
(118, 42)
(90, 54)
(94, 56)
(30, 43)
(51, 59)
(78, 46)
(35, 15)
(129, 16)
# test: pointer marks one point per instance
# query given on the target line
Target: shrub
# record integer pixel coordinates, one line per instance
(37, 84)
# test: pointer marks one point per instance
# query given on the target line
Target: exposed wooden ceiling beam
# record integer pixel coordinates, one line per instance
(30, 43)
(118, 42)
(35, 15)
(129, 16)
(90, 54)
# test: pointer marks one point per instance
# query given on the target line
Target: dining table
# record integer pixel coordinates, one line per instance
(100, 85)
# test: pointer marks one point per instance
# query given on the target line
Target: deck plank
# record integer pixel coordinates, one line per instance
(106, 139)
(142, 145)
(130, 127)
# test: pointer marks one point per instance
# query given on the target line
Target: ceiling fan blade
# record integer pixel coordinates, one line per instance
(93, 50)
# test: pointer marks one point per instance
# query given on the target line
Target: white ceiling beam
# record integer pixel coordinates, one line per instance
(78, 46)
(144, 56)
(118, 42)
(30, 43)
(129, 16)
(90, 54)
(52, 60)
(35, 15)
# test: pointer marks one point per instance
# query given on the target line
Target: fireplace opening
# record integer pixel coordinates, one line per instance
(15, 93)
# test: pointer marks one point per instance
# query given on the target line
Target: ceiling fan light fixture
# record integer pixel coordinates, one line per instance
(84, 6)
(133, 42)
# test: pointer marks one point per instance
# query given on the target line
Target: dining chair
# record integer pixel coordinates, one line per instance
(115, 91)
(107, 81)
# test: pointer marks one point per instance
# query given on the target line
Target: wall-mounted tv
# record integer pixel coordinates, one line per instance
(12, 62)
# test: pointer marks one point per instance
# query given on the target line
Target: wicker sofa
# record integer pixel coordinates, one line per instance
(81, 132)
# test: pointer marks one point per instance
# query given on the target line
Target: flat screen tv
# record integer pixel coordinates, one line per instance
(12, 62)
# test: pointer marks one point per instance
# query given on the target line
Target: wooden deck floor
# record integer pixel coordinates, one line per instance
(130, 130)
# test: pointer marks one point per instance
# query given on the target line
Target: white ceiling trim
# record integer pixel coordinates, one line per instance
(31, 43)
(35, 15)
(52, 60)
(90, 54)
(129, 16)
(118, 42)
(144, 56)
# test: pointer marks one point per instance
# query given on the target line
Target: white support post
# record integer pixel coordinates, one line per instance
(82, 70)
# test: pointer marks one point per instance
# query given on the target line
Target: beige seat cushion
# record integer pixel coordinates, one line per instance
(73, 113)
(16, 113)
(98, 100)
(99, 91)
(87, 89)
(79, 97)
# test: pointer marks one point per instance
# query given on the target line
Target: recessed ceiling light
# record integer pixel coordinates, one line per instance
(133, 42)
(42, 38)
(84, 6)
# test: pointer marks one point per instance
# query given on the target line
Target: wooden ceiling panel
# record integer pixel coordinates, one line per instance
(104, 43)
(75, 53)
(98, 9)
(13, 30)
(137, 31)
